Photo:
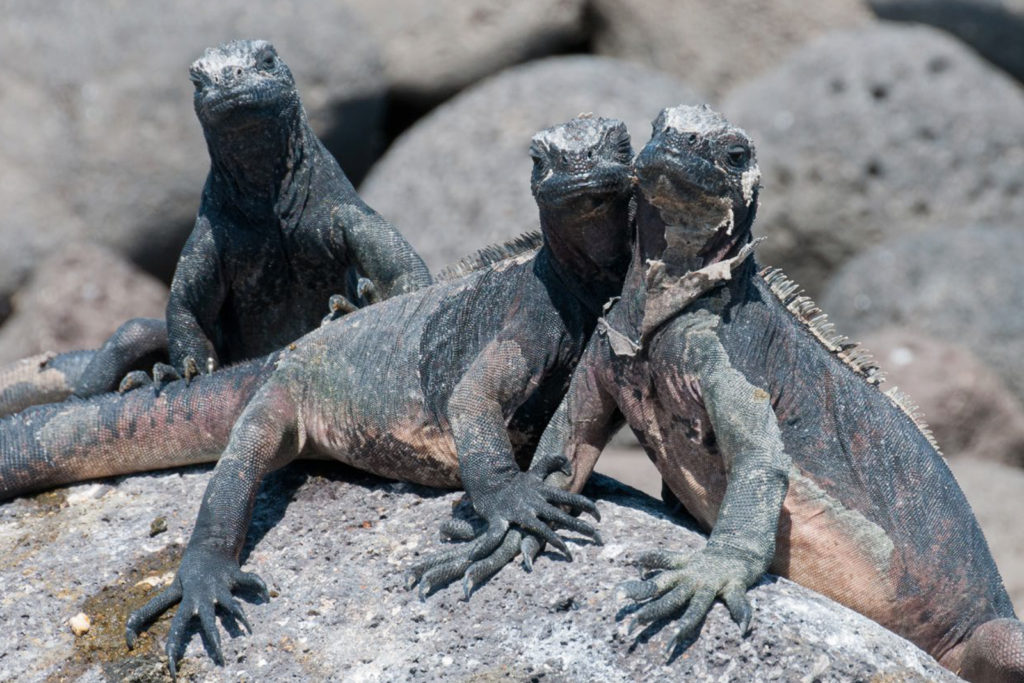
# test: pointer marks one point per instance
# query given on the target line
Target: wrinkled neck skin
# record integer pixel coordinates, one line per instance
(685, 245)
(262, 165)
(589, 247)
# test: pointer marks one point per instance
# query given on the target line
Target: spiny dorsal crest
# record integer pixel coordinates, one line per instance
(850, 353)
(491, 254)
(806, 311)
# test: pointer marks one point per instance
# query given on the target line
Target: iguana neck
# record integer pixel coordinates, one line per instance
(590, 249)
(265, 166)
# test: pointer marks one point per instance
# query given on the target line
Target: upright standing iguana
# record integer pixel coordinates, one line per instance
(280, 229)
(770, 428)
(447, 386)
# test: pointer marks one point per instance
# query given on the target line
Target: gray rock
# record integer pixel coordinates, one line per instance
(872, 133)
(432, 49)
(460, 178)
(117, 143)
(332, 547)
(995, 28)
(716, 45)
(971, 411)
(75, 299)
(964, 285)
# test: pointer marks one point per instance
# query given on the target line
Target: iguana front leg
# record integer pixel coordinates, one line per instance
(379, 251)
(197, 294)
(742, 543)
(264, 438)
(507, 498)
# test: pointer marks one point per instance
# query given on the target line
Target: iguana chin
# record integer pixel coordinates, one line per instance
(770, 428)
(447, 386)
(280, 229)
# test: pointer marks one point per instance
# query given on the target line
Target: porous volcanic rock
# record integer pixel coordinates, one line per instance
(332, 545)
(877, 132)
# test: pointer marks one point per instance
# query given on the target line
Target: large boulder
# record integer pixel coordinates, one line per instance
(995, 28)
(964, 285)
(332, 546)
(460, 178)
(432, 49)
(715, 45)
(876, 132)
(102, 103)
(75, 299)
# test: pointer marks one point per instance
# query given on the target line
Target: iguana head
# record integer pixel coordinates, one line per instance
(241, 83)
(698, 179)
(583, 182)
(581, 164)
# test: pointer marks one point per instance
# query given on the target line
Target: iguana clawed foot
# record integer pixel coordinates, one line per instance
(204, 583)
(692, 581)
(519, 519)
(339, 305)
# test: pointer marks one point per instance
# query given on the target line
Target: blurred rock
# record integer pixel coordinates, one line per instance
(715, 45)
(994, 492)
(879, 132)
(432, 49)
(995, 28)
(332, 545)
(460, 178)
(964, 285)
(75, 299)
(966, 404)
(98, 112)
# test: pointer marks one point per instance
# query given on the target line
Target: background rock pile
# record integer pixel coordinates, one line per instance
(890, 134)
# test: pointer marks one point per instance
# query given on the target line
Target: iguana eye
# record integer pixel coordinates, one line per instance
(737, 156)
(269, 61)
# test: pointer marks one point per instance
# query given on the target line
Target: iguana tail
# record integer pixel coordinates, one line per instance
(49, 377)
(993, 652)
(111, 434)
(44, 378)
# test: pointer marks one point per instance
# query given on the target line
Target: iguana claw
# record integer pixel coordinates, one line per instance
(519, 520)
(205, 582)
(690, 582)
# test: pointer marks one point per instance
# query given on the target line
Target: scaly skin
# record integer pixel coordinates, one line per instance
(448, 386)
(771, 431)
(279, 230)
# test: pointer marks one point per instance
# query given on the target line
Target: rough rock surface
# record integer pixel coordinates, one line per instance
(332, 544)
(881, 131)
(962, 284)
(75, 299)
(715, 45)
(103, 113)
(966, 404)
(432, 49)
(460, 178)
(994, 28)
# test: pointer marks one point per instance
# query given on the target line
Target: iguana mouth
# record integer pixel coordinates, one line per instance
(565, 189)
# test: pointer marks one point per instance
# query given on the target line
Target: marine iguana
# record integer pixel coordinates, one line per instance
(447, 386)
(770, 428)
(279, 230)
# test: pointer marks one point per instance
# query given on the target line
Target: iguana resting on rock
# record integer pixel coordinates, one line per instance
(448, 386)
(279, 230)
(770, 428)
